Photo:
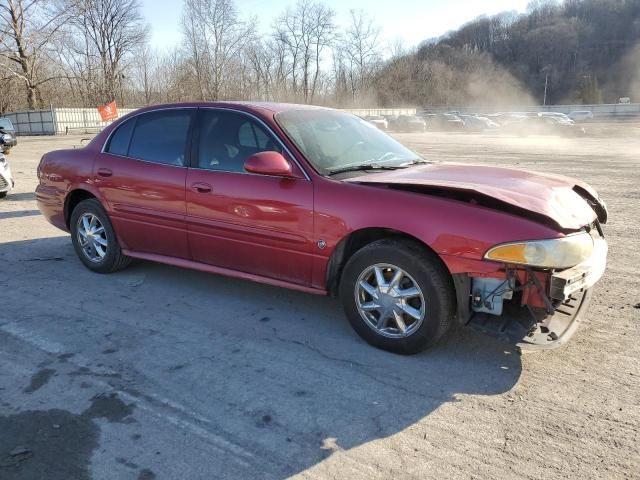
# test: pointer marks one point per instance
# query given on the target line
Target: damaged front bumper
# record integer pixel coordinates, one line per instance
(534, 309)
(581, 277)
(535, 329)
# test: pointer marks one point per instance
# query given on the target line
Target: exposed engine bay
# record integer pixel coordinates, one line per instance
(535, 308)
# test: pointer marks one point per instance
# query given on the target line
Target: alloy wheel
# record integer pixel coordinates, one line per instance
(92, 237)
(390, 301)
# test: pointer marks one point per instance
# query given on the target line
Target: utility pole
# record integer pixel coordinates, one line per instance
(546, 82)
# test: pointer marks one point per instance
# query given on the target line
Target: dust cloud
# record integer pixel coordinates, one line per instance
(626, 78)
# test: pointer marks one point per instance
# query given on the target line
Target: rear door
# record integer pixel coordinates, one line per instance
(251, 223)
(141, 174)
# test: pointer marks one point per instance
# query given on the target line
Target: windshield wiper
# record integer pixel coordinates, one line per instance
(364, 166)
(415, 162)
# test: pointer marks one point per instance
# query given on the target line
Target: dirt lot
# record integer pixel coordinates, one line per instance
(157, 372)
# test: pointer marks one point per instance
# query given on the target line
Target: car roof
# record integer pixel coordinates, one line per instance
(272, 107)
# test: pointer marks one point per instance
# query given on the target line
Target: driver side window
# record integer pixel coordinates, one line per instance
(227, 139)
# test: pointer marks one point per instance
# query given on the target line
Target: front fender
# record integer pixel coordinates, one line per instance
(460, 233)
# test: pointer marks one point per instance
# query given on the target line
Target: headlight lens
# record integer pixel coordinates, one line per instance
(5, 137)
(563, 252)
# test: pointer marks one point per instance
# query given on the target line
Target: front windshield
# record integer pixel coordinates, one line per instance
(333, 140)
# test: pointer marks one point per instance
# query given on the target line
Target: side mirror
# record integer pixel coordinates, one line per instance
(268, 163)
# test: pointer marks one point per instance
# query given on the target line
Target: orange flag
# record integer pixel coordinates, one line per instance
(108, 111)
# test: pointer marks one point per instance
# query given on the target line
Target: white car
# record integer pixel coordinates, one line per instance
(6, 179)
(380, 122)
(563, 118)
(581, 115)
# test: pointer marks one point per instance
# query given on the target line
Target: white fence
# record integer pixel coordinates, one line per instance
(81, 120)
(60, 121)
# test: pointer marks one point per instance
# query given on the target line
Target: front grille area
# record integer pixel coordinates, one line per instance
(3, 182)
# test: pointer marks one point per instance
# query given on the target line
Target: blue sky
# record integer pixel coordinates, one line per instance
(410, 20)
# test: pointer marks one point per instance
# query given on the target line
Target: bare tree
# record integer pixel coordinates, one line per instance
(323, 34)
(143, 70)
(215, 38)
(305, 32)
(26, 31)
(362, 51)
(84, 52)
(112, 30)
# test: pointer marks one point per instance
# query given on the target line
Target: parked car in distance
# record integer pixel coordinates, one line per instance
(6, 179)
(540, 125)
(560, 116)
(476, 123)
(551, 124)
(321, 201)
(581, 115)
(379, 121)
(409, 123)
(443, 121)
(8, 138)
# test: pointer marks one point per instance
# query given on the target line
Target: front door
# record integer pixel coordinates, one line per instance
(251, 223)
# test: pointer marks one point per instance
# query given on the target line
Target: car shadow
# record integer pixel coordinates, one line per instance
(20, 197)
(278, 371)
(18, 214)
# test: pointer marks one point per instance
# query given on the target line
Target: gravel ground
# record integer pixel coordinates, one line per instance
(157, 372)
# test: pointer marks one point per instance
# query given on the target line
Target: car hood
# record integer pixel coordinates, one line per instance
(568, 203)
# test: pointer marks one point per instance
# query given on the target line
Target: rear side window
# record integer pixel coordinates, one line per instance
(119, 142)
(161, 137)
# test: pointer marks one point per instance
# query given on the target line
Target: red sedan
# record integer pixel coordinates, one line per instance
(321, 201)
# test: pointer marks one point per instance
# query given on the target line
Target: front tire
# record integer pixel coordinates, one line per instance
(398, 296)
(94, 239)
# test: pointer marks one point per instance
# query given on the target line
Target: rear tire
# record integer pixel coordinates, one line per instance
(94, 239)
(398, 296)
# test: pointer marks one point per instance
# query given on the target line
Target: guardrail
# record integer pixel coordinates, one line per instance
(603, 111)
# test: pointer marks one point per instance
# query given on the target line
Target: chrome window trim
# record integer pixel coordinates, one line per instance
(248, 114)
(146, 161)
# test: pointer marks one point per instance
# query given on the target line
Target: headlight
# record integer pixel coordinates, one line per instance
(563, 252)
(5, 137)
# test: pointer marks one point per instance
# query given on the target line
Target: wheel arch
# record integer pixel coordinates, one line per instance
(358, 239)
(73, 198)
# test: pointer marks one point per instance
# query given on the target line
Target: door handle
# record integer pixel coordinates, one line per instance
(104, 172)
(201, 187)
